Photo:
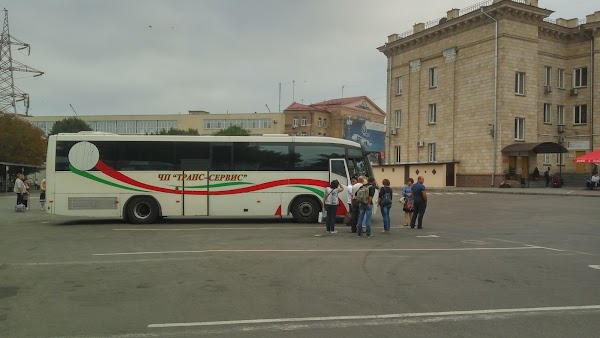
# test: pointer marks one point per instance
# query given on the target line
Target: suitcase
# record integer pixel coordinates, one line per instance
(20, 208)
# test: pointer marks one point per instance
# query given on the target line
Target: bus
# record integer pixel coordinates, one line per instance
(142, 178)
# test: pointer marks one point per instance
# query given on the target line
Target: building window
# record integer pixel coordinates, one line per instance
(303, 134)
(397, 149)
(519, 129)
(295, 122)
(580, 113)
(399, 85)
(547, 76)
(560, 115)
(325, 123)
(520, 83)
(431, 152)
(433, 77)
(559, 159)
(547, 112)
(432, 113)
(546, 159)
(303, 121)
(561, 79)
(580, 77)
(320, 122)
(398, 119)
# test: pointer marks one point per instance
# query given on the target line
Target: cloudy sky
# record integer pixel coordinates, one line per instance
(221, 56)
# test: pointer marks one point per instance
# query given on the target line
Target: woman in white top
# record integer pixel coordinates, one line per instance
(331, 202)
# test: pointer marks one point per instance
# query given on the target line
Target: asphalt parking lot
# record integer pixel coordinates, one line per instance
(485, 265)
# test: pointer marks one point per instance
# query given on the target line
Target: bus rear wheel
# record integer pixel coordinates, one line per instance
(142, 210)
(306, 210)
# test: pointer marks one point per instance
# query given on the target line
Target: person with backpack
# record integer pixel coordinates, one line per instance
(330, 201)
(385, 204)
(364, 197)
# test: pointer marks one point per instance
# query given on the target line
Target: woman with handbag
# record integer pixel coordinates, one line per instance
(330, 201)
(385, 204)
(409, 204)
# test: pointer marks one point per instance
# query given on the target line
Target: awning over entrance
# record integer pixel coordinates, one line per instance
(593, 157)
(538, 148)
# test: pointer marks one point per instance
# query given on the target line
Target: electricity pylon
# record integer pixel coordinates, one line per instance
(9, 94)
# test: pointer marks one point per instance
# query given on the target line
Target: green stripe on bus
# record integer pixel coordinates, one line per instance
(216, 185)
(315, 190)
(98, 179)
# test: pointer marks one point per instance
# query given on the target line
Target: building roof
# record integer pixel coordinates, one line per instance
(538, 148)
(340, 101)
(326, 105)
(295, 106)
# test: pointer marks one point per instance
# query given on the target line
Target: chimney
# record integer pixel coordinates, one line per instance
(572, 23)
(418, 27)
(452, 14)
(593, 17)
(532, 3)
(392, 38)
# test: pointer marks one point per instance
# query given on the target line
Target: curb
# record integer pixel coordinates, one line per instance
(509, 192)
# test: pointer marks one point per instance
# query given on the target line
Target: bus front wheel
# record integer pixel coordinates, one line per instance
(142, 210)
(306, 210)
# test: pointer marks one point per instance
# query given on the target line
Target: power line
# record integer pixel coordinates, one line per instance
(9, 93)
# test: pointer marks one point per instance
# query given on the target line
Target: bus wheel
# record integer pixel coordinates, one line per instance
(306, 210)
(142, 210)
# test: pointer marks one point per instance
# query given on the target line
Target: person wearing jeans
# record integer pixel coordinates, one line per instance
(330, 201)
(385, 204)
(366, 212)
(366, 209)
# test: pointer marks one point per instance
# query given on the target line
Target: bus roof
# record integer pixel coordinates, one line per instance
(274, 138)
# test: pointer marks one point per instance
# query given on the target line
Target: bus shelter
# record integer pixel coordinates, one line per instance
(8, 170)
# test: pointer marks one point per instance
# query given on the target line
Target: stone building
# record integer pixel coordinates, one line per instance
(205, 123)
(453, 102)
(353, 118)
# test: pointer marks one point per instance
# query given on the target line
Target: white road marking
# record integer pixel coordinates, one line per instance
(429, 236)
(46, 222)
(541, 247)
(449, 193)
(472, 193)
(460, 193)
(195, 229)
(384, 316)
(597, 267)
(438, 193)
(305, 250)
(570, 192)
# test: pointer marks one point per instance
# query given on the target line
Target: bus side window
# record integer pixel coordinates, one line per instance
(221, 157)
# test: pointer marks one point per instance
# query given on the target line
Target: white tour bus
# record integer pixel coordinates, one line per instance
(144, 177)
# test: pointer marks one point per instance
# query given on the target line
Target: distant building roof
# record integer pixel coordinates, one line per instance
(295, 106)
(340, 101)
(323, 106)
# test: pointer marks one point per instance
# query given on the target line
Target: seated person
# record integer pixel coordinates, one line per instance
(594, 182)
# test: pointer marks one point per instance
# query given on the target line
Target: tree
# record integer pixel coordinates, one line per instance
(20, 141)
(70, 125)
(175, 131)
(233, 131)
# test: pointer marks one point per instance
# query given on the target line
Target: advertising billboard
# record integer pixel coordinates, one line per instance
(370, 134)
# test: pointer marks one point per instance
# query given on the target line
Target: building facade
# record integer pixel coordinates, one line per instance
(464, 87)
(353, 118)
(205, 123)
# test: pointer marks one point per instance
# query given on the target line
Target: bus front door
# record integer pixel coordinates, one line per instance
(338, 170)
(195, 187)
